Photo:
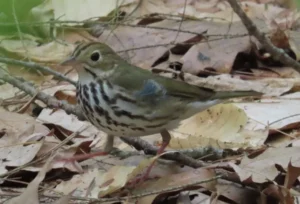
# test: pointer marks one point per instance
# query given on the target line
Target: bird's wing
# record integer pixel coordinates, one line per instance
(145, 85)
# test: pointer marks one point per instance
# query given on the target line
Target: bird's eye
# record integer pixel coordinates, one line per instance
(95, 56)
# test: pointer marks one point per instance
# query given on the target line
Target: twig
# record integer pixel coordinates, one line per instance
(181, 21)
(276, 53)
(19, 29)
(33, 65)
(47, 99)
(140, 144)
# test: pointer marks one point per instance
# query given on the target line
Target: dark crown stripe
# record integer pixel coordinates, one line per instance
(81, 47)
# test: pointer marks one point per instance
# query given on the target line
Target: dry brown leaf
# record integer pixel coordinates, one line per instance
(144, 8)
(83, 10)
(225, 14)
(50, 52)
(21, 139)
(7, 91)
(69, 122)
(292, 175)
(30, 195)
(262, 168)
(118, 176)
(202, 198)
(236, 193)
(63, 200)
(286, 19)
(277, 113)
(219, 55)
(281, 193)
(80, 183)
(63, 92)
(156, 42)
(178, 180)
(224, 82)
(104, 182)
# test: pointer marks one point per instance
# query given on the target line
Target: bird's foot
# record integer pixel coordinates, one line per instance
(140, 179)
(80, 157)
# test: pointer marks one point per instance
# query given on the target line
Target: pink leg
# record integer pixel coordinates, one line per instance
(166, 140)
(108, 147)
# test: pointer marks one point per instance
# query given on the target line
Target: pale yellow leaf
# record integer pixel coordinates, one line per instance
(221, 126)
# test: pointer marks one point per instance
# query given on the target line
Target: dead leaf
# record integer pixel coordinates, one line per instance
(83, 10)
(69, 122)
(222, 126)
(208, 55)
(280, 193)
(28, 48)
(145, 8)
(262, 168)
(21, 139)
(235, 193)
(292, 174)
(177, 180)
(278, 113)
(30, 195)
(224, 82)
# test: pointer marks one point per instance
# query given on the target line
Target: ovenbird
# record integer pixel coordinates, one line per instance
(127, 101)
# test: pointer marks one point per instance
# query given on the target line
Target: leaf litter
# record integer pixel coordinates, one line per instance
(153, 36)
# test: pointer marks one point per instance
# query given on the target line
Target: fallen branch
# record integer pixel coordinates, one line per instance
(140, 144)
(35, 66)
(50, 101)
(276, 53)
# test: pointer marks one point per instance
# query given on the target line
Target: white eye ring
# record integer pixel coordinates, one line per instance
(95, 56)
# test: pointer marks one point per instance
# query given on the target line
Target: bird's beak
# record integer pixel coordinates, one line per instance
(69, 62)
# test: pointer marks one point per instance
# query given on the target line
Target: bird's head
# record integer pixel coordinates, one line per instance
(92, 59)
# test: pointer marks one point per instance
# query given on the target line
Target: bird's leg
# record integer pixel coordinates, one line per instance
(166, 137)
(107, 149)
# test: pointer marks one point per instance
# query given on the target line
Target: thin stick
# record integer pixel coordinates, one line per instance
(36, 66)
(47, 99)
(276, 53)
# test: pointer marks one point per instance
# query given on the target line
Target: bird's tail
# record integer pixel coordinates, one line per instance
(234, 94)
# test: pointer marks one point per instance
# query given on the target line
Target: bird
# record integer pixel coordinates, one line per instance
(124, 100)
